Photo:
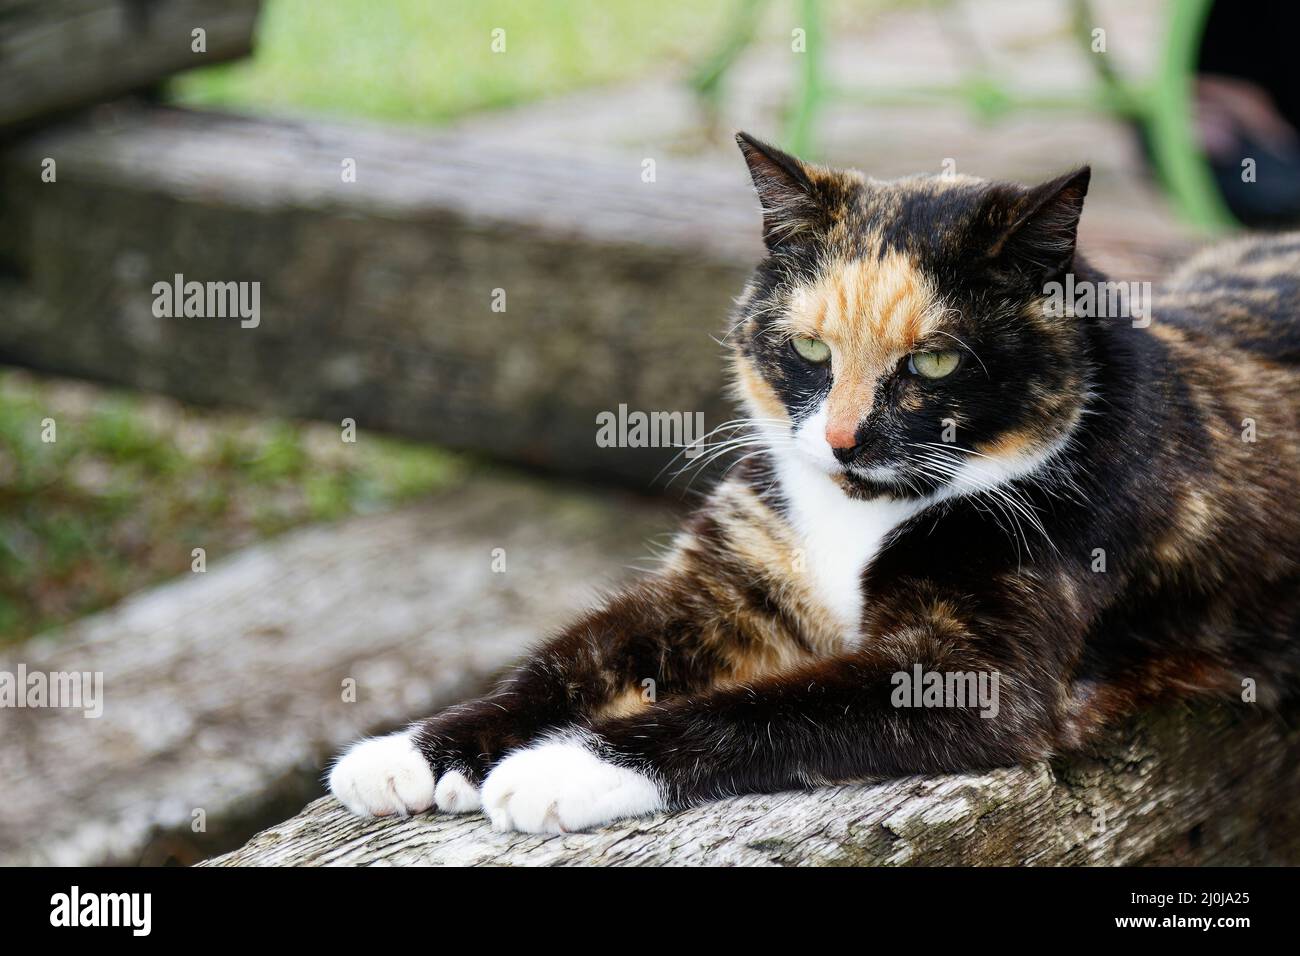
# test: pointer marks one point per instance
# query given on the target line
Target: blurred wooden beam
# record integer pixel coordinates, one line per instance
(56, 55)
(381, 298)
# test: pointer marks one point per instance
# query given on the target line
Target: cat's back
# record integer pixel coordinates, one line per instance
(1245, 292)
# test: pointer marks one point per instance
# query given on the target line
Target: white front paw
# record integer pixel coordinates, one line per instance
(383, 776)
(560, 786)
(455, 793)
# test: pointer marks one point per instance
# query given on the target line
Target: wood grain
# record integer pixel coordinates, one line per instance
(1209, 786)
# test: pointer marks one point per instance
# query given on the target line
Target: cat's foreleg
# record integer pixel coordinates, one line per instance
(595, 668)
(846, 718)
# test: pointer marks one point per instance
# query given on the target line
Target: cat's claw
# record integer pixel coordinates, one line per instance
(560, 786)
(382, 777)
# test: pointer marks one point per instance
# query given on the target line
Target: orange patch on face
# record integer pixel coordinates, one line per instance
(755, 391)
(1010, 444)
(871, 313)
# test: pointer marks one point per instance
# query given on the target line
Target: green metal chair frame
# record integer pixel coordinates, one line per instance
(1164, 106)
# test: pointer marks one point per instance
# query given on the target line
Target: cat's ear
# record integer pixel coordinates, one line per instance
(785, 191)
(1040, 240)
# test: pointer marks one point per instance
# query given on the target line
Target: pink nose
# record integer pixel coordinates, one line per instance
(839, 436)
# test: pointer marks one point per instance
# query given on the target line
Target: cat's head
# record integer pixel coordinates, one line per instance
(896, 336)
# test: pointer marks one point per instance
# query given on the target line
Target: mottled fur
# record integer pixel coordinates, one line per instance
(1072, 434)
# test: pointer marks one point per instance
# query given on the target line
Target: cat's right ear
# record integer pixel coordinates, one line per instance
(785, 191)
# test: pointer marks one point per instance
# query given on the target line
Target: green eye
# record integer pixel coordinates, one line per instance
(811, 350)
(933, 364)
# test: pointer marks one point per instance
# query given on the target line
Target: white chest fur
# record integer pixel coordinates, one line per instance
(840, 536)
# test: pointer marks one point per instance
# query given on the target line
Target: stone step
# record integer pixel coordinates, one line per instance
(224, 692)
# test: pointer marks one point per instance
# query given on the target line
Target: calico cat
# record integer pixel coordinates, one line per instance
(1082, 514)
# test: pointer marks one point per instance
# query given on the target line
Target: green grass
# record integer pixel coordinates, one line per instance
(429, 61)
(133, 483)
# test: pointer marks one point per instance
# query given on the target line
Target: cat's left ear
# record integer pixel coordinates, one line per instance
(1040, 240)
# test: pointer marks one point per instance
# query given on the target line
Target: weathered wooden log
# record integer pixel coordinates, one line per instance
(59, 54)
(1204, 786)
(379, 296)
(225, 693)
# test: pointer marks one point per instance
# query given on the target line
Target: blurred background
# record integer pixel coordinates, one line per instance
(475, 227)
